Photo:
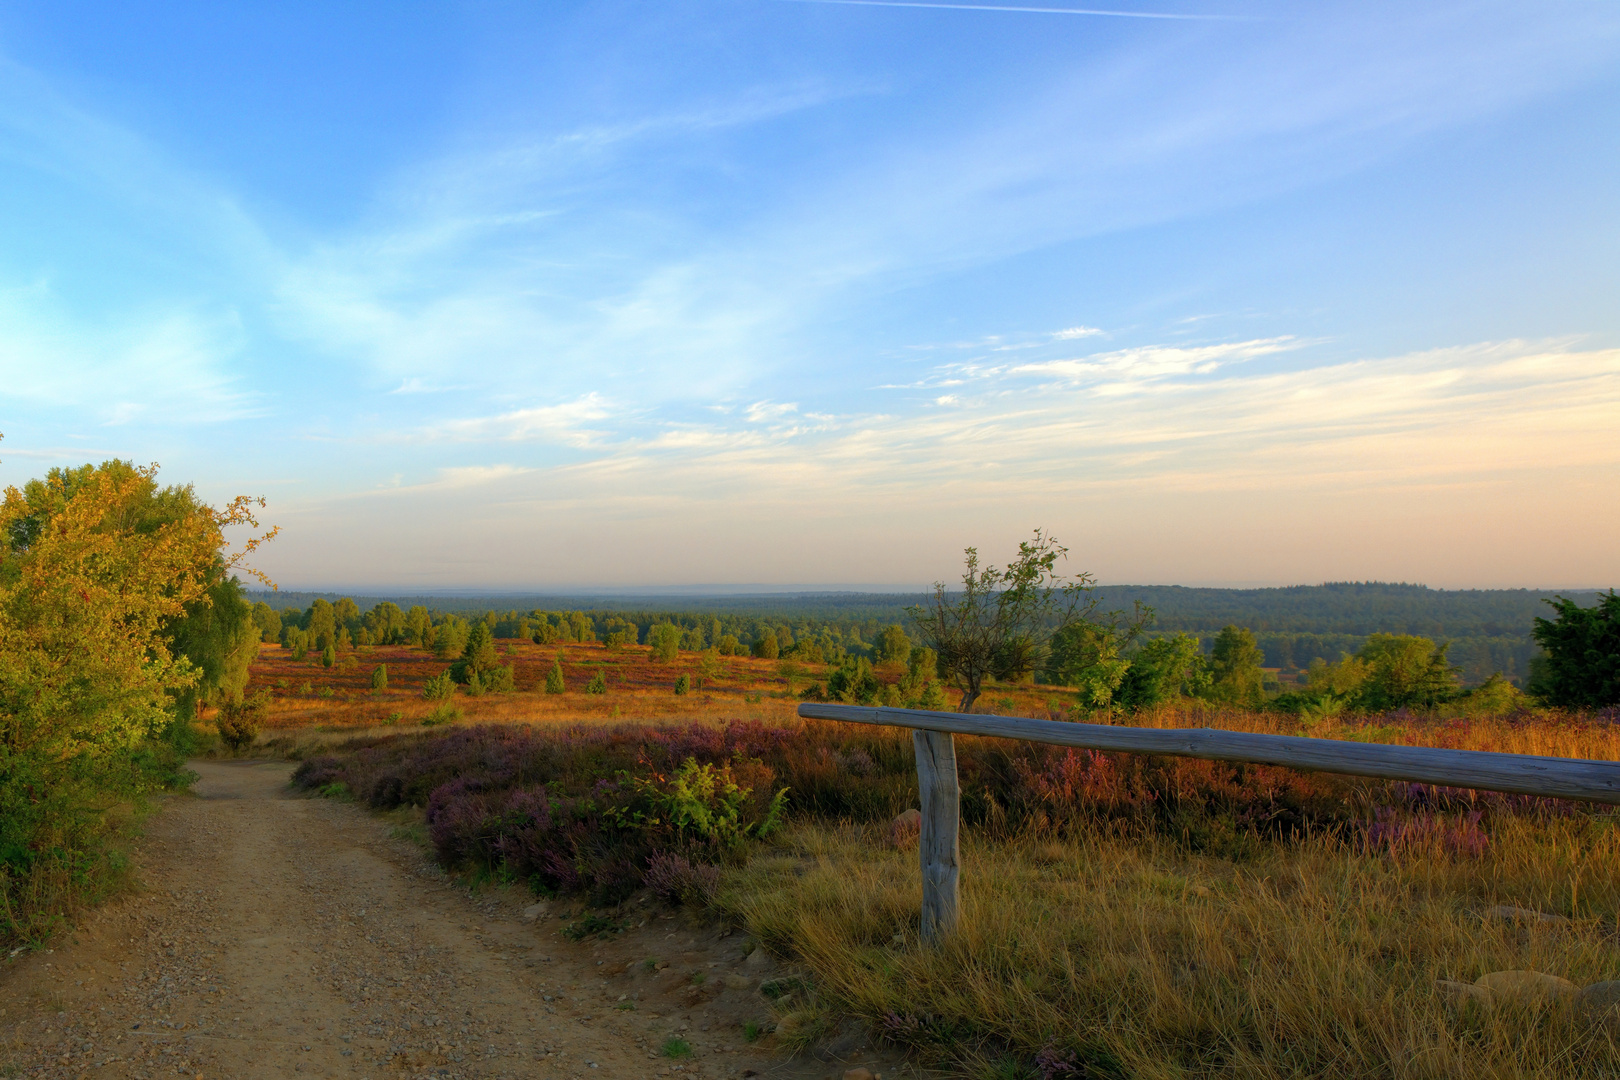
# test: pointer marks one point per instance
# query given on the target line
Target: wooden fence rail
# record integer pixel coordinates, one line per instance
(939, 847)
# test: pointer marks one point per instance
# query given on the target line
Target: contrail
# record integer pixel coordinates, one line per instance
(1038, 10)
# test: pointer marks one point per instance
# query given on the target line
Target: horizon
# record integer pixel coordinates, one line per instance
(1231, 292)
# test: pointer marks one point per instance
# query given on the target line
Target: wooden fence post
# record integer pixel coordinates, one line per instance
(938, 846)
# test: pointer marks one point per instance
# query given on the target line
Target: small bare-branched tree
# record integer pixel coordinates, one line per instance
(1000, 622)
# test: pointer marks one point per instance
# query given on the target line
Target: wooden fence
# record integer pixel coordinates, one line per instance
(939, 847)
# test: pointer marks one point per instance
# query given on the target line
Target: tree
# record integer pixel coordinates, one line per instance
(554, 678)
(598, 683)
(1089, 657)
(1164, 669)
(328, 657)
(1403, 670)
(97, 567)
(1582, 667)
(478, 655)
(683, 684)
(1235, 667)
(268, 622)
(767, 647)
(321, 623)
(893, 645)
(665, 639)
(379, 677)
(999, 624)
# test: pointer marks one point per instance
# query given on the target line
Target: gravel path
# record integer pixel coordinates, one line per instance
(285, 936)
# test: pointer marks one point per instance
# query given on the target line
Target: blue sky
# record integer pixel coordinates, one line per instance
(784, 292)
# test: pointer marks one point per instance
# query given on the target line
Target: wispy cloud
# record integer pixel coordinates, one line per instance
(567, 423)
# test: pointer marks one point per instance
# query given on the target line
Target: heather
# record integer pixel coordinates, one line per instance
(1124, 915)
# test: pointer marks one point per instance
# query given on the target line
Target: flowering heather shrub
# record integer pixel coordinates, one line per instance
(1459, 835)
(675, 878)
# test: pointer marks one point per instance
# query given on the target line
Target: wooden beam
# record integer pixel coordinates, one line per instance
(937, 847)
(1522, 774)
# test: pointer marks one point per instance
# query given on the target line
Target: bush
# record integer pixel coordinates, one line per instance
(328, 657)
(554, 678)
(598, 684)
(447, 713)
(683, 684)
(239, 722)
(1582, 665)
(379, 677)
(727, 644)
(439, 687)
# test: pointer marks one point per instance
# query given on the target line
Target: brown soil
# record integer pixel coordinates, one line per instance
(279, 935)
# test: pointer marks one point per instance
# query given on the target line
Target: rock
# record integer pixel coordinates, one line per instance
(1600, 1000)
(1509, 913)
(905, 828)
(1525, 987)
(535, 911)
(738, 982)
(858, 1074)
(1460, 994)
(757, 960)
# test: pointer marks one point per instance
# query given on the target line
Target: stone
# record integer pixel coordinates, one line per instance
(1509, 913)
(905, 828)
(758, 959)
(858, 1073)
(1526, 988)
(536, 911)
(738, 982)
(1460, 994)
(1600, 1000)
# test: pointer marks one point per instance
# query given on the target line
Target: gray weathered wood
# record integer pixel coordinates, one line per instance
(938, 848)
(1523, 774)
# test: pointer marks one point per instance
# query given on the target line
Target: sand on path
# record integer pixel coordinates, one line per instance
(278, 935)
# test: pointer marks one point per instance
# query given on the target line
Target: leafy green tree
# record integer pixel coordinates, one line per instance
(268, 622)
(1089, 657)
(554, 678)
(893, 645)
(709, 667)
(98, 566)
(598, 683)
(418, 626)
(683, 684)
(321, 622)
(346, 613)
(379, 677)
(478, 655)
(1235, 663)
(1165, 669)
(1000, 622)
(1404, 670)
(665, 639)
(450, 637)
(1582, 667)
(727, 644)
(328, 656)
(767, 647)
(854, 682)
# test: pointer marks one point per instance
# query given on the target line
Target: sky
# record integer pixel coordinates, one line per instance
(816, 294)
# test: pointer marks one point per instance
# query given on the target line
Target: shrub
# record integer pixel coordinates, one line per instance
(446, 713)
(439, 687)
(727, 644)
(328, 657)
(598, 684)
(676, 879)
(683, 684)
(1582, 665)
(239, 722)
(554, 678)
(767, 647)
(379, 677)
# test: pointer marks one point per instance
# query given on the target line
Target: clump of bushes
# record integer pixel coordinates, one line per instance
(240, 721)
(439, 687)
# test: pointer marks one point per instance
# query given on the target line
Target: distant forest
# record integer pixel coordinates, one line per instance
(1489, 629)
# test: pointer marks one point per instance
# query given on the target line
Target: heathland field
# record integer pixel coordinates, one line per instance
(1123, 915)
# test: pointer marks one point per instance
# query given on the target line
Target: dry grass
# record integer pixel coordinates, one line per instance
(1095, 948)
(1136, 958)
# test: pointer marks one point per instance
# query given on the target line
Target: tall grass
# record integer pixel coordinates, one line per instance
(1123, 915)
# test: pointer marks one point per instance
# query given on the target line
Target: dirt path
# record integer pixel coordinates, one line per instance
(280, 935)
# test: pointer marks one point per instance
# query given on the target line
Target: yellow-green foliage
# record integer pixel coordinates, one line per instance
(97, 566)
